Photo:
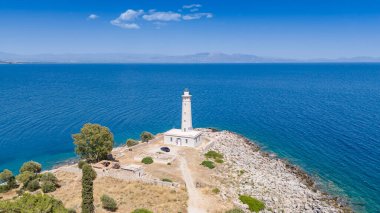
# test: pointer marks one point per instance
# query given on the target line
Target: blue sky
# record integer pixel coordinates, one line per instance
(279, 28)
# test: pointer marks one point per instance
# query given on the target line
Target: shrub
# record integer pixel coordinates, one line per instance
(236, 210)
(33, 185)
(219, 160)
(48, 186)
(213, 154)
(208, 164)
(108, 203)
(88, 176)
(71, 211)
(254, 205)
(4, 188)
(146, 136)
(31, 166)
(166, 180)
(131, 142)
(33, 203)
(142, 211)
(147, 160)
(25, 177)
(215, 190)
(169, 164)
(5, 176)
(49, 177)
(81, 163)
(94, 142)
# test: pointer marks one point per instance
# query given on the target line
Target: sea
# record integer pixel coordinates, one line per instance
(323, 117)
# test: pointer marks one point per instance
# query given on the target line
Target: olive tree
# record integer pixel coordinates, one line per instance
(94, 142)
(31, 166)
(146, 136)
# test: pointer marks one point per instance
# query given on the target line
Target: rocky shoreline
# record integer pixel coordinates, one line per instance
(283, 186)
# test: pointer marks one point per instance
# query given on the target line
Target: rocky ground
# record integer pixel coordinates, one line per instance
(282, 187)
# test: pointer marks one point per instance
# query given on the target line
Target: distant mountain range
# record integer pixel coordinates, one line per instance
(156, 58)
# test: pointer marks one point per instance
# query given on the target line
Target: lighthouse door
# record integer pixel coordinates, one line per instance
(179, 142)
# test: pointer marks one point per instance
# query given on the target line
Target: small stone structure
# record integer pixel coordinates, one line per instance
(134, 169)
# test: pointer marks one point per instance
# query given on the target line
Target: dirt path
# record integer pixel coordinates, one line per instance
(195, 202)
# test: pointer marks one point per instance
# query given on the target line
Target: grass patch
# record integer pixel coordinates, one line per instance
(166, 180)
(141, 211)
(208, 164)
(214, 155)
(219, 160)
(215, 190)
(254, 205)
(147, 160)
(241, 172)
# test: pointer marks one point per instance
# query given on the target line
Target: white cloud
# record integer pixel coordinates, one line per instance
(92, 17)
(195, 9)
(162, 16)
(194, 16)
(191, 6)
(129, 26)
(124, 20)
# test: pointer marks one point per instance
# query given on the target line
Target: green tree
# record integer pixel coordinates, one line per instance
(5, 176)
(48, 186)
(88, 176)
(25, 177)
(146, 136)
(33, 185)
(131, 142)
(31, 166)
(142, 211)
(49, 177)
(147, 160)
(33, 203)
(94, 142)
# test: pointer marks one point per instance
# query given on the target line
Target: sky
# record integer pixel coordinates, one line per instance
(275, 28)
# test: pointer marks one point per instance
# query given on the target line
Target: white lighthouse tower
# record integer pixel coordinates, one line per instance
(185, 136)
(187, 124)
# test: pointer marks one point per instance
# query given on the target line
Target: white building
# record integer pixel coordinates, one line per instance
(185, 136)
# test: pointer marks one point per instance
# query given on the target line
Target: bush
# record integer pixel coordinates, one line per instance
(88, 176)
(253, 204)
(147, 160)
(208, 164)
(146, 136)
(4, 188)
(49, 177)
(5, 176)
(141, 211)
(33, 185)
(71, 211)
(215, 190)
(33, 203)
(214, 155)
(108, 203)
(219, 160)
(31, 166)
(131, 142)
(81, 163)
(48, 186)
(25, 177)
(166, 180)
(94, 142)
(236, 210)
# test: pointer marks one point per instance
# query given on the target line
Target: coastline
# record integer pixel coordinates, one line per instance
(320, 200)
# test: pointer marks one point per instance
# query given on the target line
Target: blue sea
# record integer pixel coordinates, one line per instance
(323, 117)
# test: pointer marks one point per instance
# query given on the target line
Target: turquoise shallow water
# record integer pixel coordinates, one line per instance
(323, 117)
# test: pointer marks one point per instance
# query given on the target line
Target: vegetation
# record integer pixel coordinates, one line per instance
(131, 142)
(253, 204)
(33, 203)
(48, 186)
(147, 160)
(88, 176)
(49, 177)
(215, 190)
(214, 155)
(208, 164)
(142, 211)
(94, 142)
(219, 160)
(8, 181)
(236, 210)
(25, 177)
(31, 166)
(33, 185)
(81, 163)
(166, 180)
(146, 136)
(108, 203)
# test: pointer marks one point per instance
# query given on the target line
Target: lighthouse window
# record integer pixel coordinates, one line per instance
(171, 139)
(186, 140)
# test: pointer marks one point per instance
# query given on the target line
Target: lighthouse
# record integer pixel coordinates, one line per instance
(186, 136)
(187, 124)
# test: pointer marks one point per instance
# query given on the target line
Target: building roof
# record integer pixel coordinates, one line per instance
(180, 133)
(131, 167)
